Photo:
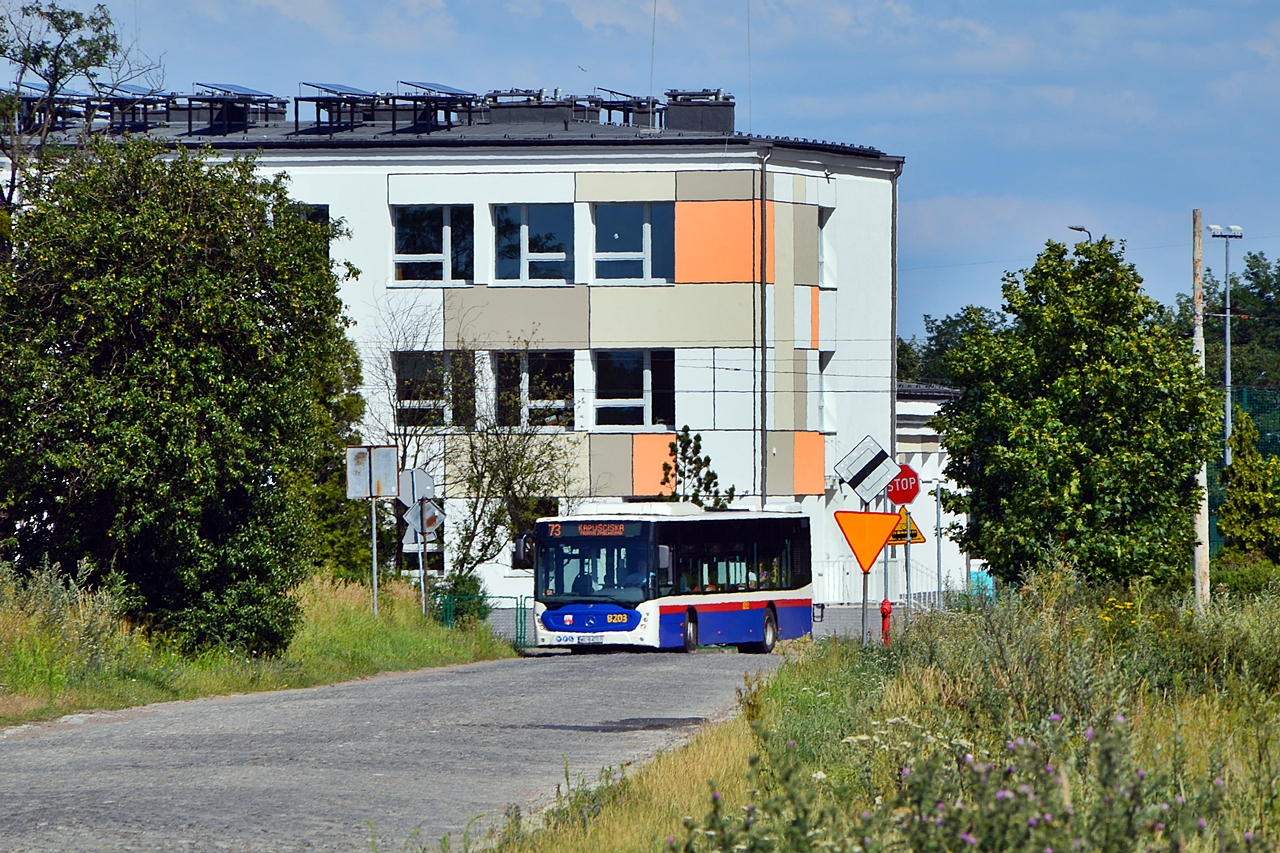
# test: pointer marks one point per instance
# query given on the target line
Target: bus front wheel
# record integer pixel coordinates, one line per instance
(768, 636)
(690, 633)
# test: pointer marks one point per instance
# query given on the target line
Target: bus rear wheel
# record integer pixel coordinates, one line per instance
(768, 636)
(690, 634)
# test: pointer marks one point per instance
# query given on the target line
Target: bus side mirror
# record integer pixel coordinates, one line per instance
(524, 552)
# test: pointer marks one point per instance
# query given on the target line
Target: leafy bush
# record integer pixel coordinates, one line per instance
(174, 376)
(1246, 573)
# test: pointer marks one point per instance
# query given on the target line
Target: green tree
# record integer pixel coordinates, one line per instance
(1249, 519)
(909, 359)
(173, 375)
(1082, 424)
(689, 474)
(50, 48)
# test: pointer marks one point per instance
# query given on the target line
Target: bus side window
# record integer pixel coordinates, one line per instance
(785, 567)
(769, 573)
(689, 575)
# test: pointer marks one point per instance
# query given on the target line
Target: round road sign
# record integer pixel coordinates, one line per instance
(904, 488)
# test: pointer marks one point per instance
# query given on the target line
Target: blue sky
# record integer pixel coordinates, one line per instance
(1016, 119)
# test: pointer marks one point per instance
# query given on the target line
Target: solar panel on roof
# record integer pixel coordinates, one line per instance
(340, 89)
(436, 87)
(232, 89)
(62, 93)
(134, 89)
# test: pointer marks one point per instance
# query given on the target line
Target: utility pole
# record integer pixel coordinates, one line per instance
(1201, 551)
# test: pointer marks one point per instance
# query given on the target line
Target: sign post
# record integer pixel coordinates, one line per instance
(371, 473)
(416, 487)
(903, 490)
(866, 533)
(868, 470)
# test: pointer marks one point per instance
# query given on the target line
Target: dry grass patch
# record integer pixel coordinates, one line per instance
(642, 811)
(64, 649)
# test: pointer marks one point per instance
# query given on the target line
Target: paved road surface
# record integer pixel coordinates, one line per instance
(303, 769)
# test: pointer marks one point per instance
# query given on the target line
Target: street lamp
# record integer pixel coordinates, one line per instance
(1082, 230)
(1231, 232)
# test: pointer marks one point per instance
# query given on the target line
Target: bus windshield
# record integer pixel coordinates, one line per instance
(594, 568)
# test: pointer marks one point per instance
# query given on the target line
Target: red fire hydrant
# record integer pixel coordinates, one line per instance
(886, 610)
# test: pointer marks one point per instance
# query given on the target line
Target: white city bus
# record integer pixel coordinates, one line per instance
(670, 576)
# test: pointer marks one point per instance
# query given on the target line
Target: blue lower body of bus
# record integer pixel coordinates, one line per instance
(736, 619)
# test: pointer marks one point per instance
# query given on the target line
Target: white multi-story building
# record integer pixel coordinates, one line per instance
(678, 272)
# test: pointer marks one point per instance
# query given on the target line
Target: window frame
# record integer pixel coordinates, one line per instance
(645, 255)
(447, 403)
(645, 401)
(527, 402)
(527, 257)
(444, 257)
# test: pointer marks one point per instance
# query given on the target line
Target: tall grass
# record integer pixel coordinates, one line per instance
(64, 647)
(1057, 719)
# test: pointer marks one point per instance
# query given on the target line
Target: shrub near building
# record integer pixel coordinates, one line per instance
(174, 356)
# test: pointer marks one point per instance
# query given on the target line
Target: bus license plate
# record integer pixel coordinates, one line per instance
(590, 638)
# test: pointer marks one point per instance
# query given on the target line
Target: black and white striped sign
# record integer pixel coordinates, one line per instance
(867, 468)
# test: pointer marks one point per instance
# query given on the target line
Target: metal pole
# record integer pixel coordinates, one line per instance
(1226, 436)
(1200, 554)
(884, 555)
(865, 574)
(937, 533)
(373, 536)
(906, 569)
(422, 571)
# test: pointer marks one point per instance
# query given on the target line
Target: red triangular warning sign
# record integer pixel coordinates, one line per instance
(866, 533)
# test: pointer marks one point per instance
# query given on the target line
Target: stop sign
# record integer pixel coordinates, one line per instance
(904, 487)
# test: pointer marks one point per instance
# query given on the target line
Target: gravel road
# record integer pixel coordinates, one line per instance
(304, 769)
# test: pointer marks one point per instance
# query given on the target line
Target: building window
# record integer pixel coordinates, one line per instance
(825, 270)
(533, 242)
(636, 241)
(434, 389)
(534, 388)
(435, 243)
(636, 388)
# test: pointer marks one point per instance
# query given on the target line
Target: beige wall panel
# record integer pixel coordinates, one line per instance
(736, 185)
(784, 269)
(798, 193)
(800, 389)
(499, 317)
(805, 244)
(626, 186)
(611, 464)
(782, 461)
(579, 447)
(689, 315)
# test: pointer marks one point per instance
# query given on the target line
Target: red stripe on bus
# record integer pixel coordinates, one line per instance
(723, 606)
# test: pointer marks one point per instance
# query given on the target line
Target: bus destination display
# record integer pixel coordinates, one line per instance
(622, 529)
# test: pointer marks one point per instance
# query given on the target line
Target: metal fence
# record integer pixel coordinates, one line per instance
(1263, 407)
(508, 616)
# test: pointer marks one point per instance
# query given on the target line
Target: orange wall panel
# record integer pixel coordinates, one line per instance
(648, 452)
(718, 241)
(813, 319)
(810, 464)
